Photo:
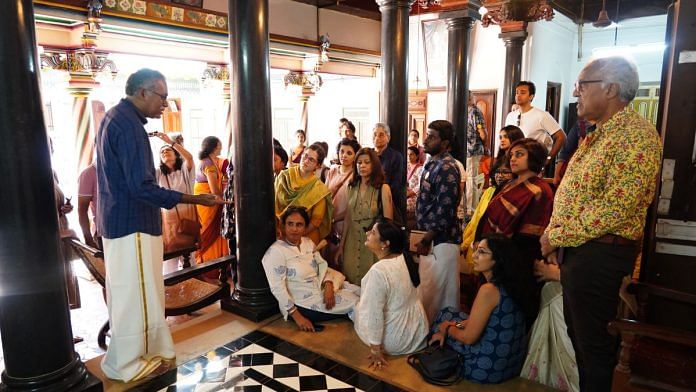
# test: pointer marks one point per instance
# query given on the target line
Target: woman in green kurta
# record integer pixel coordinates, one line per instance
(363, 193)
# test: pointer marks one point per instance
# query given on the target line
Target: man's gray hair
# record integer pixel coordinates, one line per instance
(621, 71)
(383, 126)
(142, 79)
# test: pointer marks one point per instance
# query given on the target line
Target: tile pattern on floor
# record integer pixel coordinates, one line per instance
(262, 362)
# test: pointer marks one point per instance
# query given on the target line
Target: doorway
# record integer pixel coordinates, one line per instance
(553, 99)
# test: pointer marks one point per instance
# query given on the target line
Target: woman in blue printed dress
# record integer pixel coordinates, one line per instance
(491, 339)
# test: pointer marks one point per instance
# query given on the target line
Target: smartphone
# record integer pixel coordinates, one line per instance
(151, 134)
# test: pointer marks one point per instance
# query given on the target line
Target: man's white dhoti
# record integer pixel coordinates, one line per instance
(140, 338)
(439, 279)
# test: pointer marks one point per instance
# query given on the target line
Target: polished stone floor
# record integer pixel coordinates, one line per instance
(219, 351)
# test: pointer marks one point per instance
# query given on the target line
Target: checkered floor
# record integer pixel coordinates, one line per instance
(261, 362)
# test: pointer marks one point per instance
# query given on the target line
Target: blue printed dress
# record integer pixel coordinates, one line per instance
(499, 353)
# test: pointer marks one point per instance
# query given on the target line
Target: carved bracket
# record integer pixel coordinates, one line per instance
(216, 72)
(79, 62)
(309, 81)
(510, 11)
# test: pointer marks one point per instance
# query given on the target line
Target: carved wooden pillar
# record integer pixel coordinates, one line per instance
(514, 42)
(37, 339)
(253, 149)
(394, 110)
(310, 83)
(221, 74)
(458, 80)
(513, 17)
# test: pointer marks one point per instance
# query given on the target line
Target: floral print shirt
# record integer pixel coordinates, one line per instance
(609, 183)
(439, 195)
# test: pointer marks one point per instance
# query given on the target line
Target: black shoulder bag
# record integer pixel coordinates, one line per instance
(437, 365)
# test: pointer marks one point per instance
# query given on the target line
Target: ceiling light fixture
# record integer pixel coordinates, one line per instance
(603, 18)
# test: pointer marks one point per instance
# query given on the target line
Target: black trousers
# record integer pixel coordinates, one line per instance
(591, 276)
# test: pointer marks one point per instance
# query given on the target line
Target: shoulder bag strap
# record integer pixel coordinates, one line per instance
(166, 177)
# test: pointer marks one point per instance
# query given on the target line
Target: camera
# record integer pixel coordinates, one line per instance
(154, 133)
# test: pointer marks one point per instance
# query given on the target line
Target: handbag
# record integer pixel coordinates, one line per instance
(188, 231)
(437, 365)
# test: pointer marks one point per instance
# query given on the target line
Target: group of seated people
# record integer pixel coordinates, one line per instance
(366, 273)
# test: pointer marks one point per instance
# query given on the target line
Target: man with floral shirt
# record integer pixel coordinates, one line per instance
(599, 212)
(436, 214)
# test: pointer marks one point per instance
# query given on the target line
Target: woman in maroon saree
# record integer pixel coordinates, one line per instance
(523, 207)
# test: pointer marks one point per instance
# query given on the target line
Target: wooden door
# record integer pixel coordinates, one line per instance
(485, 100)
(417, 113)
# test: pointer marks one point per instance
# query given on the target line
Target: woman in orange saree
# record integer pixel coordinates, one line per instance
(210, 178)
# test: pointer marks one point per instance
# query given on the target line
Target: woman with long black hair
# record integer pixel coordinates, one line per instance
(390, 318)
(491, 338)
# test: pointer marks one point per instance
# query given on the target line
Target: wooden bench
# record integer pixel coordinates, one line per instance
(184, 293)
(652, 356)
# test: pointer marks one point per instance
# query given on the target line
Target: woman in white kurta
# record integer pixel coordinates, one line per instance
(306, 289)
(175, 172)
(390, 318)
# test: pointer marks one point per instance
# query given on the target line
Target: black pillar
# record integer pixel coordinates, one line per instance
(394, 105)
(458, 81)
(514, 41)
(253, 149)
(37, 340)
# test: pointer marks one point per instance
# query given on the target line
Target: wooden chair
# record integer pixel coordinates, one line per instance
(655, 357)
(183, 292)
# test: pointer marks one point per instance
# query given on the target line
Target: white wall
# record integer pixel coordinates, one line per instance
(631, 33)
(548, 57)
(299, 20)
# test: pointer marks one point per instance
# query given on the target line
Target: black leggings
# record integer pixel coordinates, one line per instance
(318, 317)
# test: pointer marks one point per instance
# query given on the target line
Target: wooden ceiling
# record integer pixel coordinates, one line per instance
(588, 10)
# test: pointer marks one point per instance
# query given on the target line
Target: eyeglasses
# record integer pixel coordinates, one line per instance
(503, 172)
(580, 83)
(519, 118)
(483, 251)
(163, 97)
(308, 158)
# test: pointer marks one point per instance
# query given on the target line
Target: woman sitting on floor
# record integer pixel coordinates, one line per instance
(390, 318)
(306, 289)
(491, 339)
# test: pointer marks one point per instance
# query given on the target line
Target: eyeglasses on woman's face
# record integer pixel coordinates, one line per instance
(483, 251)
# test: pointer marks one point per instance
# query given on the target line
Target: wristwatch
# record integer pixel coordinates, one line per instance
(459, 325)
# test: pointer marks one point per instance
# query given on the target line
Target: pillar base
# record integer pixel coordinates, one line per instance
(255, 313)
(74, 377)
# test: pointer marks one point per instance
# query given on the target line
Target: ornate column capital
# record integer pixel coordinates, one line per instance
(219, 72)
(512, 38)
(460, 23)
(310, 82)
(525, 11)
(387, 4)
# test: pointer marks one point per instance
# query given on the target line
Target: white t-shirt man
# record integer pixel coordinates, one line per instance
(536, 124)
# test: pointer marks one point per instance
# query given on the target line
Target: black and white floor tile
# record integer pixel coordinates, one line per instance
(261, 362)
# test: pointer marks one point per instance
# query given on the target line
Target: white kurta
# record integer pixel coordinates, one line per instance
(389, 311)
(295, 277)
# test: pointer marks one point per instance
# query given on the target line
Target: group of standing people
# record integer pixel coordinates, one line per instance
(586, 235)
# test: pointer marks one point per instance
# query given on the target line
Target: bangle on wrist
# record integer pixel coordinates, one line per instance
(292, 310)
